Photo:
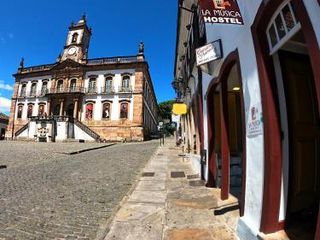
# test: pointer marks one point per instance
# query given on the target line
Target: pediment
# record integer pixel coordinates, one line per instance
(68, 64)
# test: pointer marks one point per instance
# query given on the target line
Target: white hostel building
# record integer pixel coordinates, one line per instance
(252, 127)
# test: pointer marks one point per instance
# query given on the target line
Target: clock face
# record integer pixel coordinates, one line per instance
(72, 50)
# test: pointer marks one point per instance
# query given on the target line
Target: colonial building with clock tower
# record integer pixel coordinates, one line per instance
(103, 99)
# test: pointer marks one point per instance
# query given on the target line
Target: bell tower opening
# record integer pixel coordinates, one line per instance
(77, 43)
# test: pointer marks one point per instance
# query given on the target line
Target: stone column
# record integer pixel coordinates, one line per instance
(75, 110)
(61, 107)
(48, 107)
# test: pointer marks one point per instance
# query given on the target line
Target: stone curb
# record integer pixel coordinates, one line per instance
(86, 149)
(105, 228)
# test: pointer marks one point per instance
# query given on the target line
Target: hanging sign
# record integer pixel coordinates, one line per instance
(179, 108)
(254, 121)
(221, 11)
(209, 52)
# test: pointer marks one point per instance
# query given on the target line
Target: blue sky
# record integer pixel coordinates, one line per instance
(37, 30)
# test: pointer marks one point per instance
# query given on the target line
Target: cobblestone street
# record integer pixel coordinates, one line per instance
(46, 194)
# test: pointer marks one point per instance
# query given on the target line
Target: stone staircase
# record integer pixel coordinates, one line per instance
(23, 128)
(87, 130)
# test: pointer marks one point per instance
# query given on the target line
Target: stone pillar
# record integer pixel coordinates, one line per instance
(75, 110)
(49, 108)
(61, 107)
(11, 125)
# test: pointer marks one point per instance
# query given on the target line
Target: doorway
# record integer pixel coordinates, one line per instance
(70, 110)
(303, 137)
(283, 26)
(56, 110)
(226, 132)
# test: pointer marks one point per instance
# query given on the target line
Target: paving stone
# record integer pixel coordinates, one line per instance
(189, 234)
(47, 195)
(148, 196)
(151, 185)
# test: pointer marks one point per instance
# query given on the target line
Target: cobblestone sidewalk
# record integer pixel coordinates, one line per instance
(169, 204)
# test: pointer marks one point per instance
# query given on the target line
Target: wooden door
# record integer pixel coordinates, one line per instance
(304, 140)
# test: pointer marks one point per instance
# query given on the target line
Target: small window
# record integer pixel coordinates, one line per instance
(124, 110)
(33, 89)
(30, 111)
(41, 112)
(282, 27)
(108, 84)
(44, 88)
(60, 86)
(73, 85)
(89, 111)
(23, 92)
(126, 81)
(92, 85)
(74, 38)
(20, 110)
(106, 111)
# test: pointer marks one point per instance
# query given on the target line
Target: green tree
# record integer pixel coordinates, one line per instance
(165, 112)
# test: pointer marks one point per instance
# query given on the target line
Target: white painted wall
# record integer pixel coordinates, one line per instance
(239, 37)
(32, 130)
(81, 135)
(61, 131)
(313, 9)
(24, 134)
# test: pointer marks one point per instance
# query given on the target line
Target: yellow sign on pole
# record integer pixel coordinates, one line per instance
(179, 108)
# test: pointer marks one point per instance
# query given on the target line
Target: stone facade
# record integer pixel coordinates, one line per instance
(106, 97)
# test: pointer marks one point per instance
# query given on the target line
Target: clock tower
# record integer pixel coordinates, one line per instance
(77, 44)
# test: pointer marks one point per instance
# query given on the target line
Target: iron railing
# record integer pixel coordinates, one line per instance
(66, 90)
(112, 60)
(107, 90)
(125, 89)
(91, 90)
(37, 68)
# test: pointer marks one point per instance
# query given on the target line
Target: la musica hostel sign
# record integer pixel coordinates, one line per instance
(221, 11)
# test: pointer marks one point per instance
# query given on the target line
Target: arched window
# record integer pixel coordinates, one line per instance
(20, 110)
(73, 85)
(41, 112)
(124, 106)
(108, 86)
(92, 85)
(89, 111)
(106, 110)
(283, 26)
(125, 87)
(44, 87)
(74, 38)
(23, 92)
(60, 86)
(33, 89)
(30, 111)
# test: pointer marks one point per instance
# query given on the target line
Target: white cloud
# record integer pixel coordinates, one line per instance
(5, 104)
(5, 86)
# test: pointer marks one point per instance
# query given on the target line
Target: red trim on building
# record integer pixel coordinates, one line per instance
(225, 149)
(312, 43)
(212, 176)
(229, 62)
(272, 136)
